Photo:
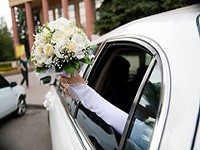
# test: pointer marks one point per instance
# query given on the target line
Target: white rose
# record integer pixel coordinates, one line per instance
(38, 39)
(59, 24)
(38, 51)
(48, 50)
(57, 50)
(80, 40)
(45, 32)
(52, 25)
(45, 35)
(63, 21)
(58, 37)
(38, 60)
(66, 26)
(71, 46)
(68, 31)
(49, 60)
(80, 55)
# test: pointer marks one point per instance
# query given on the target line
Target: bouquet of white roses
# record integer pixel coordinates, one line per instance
(60, 44)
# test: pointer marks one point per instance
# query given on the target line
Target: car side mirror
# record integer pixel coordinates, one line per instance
(45, 80)
(13, 84)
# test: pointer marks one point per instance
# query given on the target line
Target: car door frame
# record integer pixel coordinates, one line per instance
(160, 56)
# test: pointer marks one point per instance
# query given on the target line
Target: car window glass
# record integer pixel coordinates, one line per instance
(116, 77)
(142, 126)
(3, 82)
(100, 134)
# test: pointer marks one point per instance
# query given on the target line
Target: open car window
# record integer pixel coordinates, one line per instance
(116, 76)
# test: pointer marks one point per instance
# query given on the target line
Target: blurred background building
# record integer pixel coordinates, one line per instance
(38, 12)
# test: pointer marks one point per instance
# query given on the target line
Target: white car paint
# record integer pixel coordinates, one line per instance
(66, 139)
(175, 36)
(9, 98)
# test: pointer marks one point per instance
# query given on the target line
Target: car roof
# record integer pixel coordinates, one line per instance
(176, 33)
(153, 26)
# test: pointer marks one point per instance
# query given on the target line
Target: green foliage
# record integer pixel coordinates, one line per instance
(114, 13)
(69, 68)
(6, 43)
(86, 60)
(5, 65)
(22, 27)
(5, 69)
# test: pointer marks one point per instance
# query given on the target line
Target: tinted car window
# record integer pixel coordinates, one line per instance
(117, 75)
(3, 82)
(142, 126)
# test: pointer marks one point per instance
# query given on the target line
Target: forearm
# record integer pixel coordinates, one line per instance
(94, 102)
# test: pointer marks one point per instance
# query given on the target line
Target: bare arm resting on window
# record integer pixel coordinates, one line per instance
(94, 102)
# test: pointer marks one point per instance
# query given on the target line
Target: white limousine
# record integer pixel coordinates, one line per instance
(160, 92)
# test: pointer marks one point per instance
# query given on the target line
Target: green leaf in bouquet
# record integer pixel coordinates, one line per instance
(69, 68)
(40, 69)
(86, 60)
(76, 64)
(92, 47)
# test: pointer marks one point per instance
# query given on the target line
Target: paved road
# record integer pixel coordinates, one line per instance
(35, 92)
(29, 132)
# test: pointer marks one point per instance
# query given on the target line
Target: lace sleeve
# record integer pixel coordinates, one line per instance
(94, 102)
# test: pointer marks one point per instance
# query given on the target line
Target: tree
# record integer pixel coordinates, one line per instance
(114, 13)
(6, 43)
(22, 26)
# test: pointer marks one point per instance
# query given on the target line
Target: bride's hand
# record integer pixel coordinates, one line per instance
(67, 81)
(75, 79)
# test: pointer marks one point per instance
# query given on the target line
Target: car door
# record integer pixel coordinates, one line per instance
(128, 73)
(7, 98)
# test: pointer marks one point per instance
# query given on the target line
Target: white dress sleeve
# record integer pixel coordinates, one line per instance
(94, 102)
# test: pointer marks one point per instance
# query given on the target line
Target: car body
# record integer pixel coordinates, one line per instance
(162, 92)
(12, 98)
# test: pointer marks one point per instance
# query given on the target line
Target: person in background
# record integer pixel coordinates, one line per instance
(24, 68)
